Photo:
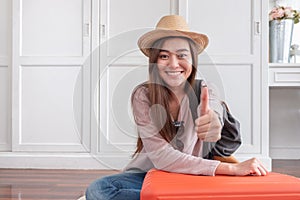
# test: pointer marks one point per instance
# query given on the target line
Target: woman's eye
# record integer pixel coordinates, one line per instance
(182, 55)
(163, 56)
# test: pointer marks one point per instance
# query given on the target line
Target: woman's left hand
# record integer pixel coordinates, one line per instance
(208, 126)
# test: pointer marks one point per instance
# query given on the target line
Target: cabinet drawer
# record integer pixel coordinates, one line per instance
(284, 76)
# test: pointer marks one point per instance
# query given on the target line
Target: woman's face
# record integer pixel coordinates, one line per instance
(175, 62)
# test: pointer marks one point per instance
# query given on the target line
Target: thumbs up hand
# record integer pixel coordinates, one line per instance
(208, 126)
(204, 104)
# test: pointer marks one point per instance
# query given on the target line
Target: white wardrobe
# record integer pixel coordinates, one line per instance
(68, 67)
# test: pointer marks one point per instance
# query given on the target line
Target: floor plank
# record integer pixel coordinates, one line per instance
(291, 167)
(31, 184)
(43, 184)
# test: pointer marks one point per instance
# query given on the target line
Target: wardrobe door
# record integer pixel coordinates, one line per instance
(122, 68)
(51, 72)
(234, 61)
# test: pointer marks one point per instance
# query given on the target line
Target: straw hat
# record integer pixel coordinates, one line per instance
(171, 25)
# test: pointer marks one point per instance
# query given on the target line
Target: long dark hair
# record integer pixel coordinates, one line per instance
(160, 94)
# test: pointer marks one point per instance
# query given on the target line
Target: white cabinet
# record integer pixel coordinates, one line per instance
(45, 85)
(76, 62)
(287, 75)
(284, 82)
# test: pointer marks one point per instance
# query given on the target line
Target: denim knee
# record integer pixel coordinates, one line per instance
(98, 189)
(123, 186)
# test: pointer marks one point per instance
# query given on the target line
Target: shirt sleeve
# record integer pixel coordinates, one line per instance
(158, 150)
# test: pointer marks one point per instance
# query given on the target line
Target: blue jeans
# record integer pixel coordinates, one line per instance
(123, 186)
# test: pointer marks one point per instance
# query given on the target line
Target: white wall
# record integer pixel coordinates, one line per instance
(285, 107)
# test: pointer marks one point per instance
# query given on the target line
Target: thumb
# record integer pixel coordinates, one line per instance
(204, 105)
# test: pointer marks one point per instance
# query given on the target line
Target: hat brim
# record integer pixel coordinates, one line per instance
(146, 41)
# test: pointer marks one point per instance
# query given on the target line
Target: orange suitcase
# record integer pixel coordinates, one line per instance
(160, 185)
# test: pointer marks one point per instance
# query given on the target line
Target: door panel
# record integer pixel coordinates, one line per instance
(52, 28)
(228, 29)
(123, 17)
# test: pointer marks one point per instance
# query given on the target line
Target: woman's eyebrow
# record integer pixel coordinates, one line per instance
(164, 50)
(179, 50)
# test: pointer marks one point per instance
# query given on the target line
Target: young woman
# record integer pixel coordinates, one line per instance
(169, 138)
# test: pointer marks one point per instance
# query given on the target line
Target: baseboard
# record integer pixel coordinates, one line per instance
(80, 161)
(285, 152)
(61, 161)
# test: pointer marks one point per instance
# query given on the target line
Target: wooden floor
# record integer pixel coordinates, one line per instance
(40, 184)
(30, 184)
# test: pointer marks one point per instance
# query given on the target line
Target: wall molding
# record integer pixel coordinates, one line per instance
(80, 160)
(285, 152)
(61, 160)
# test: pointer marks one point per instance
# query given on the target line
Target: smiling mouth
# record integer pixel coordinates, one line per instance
(174, 73)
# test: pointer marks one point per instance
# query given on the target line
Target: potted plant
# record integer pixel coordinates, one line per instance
(281, 24)
(281, 13)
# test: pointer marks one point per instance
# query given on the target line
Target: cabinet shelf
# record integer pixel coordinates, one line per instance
(284, 65)
(284, 74)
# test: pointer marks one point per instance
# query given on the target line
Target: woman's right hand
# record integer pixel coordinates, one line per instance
(252, 166)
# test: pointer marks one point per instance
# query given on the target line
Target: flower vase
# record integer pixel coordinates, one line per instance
(280, 36)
